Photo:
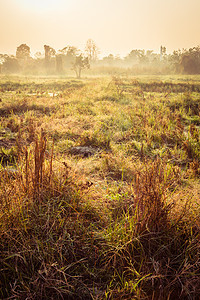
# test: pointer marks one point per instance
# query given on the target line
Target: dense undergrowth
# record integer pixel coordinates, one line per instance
(118, 221)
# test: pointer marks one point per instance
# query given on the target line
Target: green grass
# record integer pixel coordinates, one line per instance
(121, 223)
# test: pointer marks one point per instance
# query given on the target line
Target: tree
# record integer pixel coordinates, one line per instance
(175, 59)
(189, 64)
(190, 61)
(59, 64)
(39, 55)
(80, 64)
(135, 56)
(163, 52)
(68, 55)
(69, 51)
(9, 63)
(49, 53)
(2, 60)
(109, 59)
(23, 52)
(91, 50)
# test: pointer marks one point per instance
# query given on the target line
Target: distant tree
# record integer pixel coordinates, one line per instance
(189, 64)
(163, 52)
(151, 57)
(109, 59)
(135, 56)
(80, 64)
(143, 58)
(65, 58)
(68, 55)
(23, 52)
(69, 51)
(59, 64)
(39, 55)
(190, 61)
(49, 53)
(149, 53)
(9, 64)
(1, 62)
(175, 59)
(91, 50)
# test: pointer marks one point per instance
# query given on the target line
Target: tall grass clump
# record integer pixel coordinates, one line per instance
(46, 244)
(153, 247)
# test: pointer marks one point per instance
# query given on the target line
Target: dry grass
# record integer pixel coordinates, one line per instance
(121, 223)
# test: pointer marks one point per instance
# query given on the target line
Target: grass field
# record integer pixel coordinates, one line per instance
(99, 188)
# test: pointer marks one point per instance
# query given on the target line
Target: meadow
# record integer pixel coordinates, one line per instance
(99, 187)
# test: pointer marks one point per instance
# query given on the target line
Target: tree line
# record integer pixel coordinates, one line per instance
(50, 61)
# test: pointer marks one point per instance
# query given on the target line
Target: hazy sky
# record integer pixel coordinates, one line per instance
(116, 26)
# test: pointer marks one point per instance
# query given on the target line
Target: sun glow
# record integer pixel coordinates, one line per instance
(42, 6)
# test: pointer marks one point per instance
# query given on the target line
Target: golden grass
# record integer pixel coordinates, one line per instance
(122, 223)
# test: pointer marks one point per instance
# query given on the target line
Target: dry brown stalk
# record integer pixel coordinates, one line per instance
(40, 148)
